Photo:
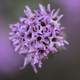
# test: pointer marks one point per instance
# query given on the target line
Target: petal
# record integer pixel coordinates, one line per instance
(48, 7)
(56, 13)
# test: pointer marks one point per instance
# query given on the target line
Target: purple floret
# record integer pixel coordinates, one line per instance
(37, 34)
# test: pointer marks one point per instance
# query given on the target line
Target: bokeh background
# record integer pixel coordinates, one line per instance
(65, 65)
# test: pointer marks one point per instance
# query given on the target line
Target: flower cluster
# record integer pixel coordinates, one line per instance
(37, 34)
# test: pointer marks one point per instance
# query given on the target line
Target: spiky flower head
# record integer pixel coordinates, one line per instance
(37, 34)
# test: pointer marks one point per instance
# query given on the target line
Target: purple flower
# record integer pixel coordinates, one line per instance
(37, 34)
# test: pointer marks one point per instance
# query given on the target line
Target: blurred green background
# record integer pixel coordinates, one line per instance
(66, 64)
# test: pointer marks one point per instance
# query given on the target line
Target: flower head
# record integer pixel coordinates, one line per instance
(37, 34)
